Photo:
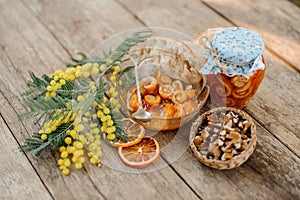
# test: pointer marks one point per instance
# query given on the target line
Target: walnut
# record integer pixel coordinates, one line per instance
(198, 141)
(244, 136)
(228, 126)
(214, 151)
(235, 136)
(240, 125)
(226, 156)
(228, 117)
(224, 136)
(229, 148)
(220, 143)
(234, 114)
(237, 145)
(235, 120)
(246, 126)
(234, 152)
(244, 146)
(236, 130)
(223, 149)
(223, 132)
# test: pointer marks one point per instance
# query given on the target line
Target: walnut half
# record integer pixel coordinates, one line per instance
(224, 136)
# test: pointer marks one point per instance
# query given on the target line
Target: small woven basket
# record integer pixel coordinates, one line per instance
(237, 160)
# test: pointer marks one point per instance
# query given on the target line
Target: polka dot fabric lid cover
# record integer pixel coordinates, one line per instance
(235, 45)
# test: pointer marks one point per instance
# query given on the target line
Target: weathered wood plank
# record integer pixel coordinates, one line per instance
(18, 178)
(276, 104)
(161, 184)
(27, 45)
(278, 91)
(277, 21)
(189, 17)
(93, 183)
(82, 25)
(21, 32)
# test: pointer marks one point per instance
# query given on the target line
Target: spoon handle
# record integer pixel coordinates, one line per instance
(137, 62)
(138, 86)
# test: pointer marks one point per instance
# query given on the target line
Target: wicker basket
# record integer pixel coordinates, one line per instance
(237, 160)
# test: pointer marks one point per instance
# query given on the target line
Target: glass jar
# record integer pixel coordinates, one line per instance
(234, 67)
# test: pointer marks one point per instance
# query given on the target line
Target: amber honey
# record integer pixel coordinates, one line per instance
(233, 91)
(164, 97)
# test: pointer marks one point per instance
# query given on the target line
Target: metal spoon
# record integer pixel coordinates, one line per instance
(140, 114)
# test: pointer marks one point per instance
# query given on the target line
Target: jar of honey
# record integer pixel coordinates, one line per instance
(234, 66)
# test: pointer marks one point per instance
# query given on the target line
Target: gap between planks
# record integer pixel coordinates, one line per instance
(133, 14)
(43, 183)
(46, 27)
(92, 182)
(258, 122)
(19, 145)
(178, 174)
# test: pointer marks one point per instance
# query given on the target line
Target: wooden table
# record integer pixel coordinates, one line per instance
(41, 36)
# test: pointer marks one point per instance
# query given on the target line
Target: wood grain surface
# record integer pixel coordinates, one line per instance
(41, 36)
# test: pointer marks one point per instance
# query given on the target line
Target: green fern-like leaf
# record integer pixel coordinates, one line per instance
(55, 139)
(100, 92)
(41, 108)
(37, 85)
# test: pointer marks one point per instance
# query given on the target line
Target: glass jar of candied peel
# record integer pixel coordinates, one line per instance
(234, 66)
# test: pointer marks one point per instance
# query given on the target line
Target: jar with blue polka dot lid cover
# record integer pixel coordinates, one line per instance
(234, 66)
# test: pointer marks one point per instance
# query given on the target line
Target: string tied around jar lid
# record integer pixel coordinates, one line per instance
(204, 40)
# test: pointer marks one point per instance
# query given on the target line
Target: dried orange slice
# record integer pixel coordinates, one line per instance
(179, 97)
(191, 93)
(135, 133)
(133, 102)
(177, 85)
(169, 110)
(165, 91)
(140, 155)
(164, 80)
(149, 83)
(152, 100)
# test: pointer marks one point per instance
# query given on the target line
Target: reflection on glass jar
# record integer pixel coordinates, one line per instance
(233, 91)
